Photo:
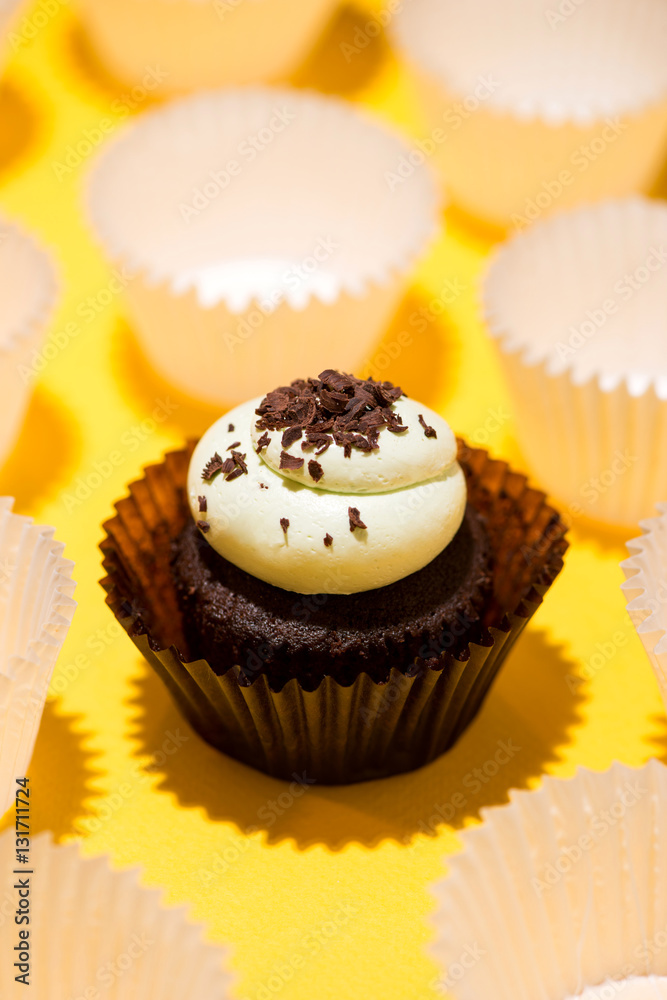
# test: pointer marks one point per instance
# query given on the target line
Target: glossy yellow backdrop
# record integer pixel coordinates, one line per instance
(325, 895)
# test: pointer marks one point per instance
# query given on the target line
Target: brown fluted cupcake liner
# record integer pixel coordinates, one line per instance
(335, 733)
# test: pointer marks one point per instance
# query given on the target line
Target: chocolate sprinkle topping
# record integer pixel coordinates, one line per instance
(203, 505)
(333, 409)
(235, 445)
(234, 475)
(328, 540)
(428, 431)
(239, 460)
(263, 442)
(212, 468)
(284, 524)
(315, 469)
(203, 526)
(263, 487)
(290, 461)
(291, 435)
(355, 518)
(230, 429)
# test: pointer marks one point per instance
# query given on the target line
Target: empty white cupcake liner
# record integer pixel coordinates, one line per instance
(97, 933)
(645, 591)
(8, 12)
(204, 43)
(264, 238)
(514, 135)
(561, 893)
(577, 308)
(28, 283)
(36, 608)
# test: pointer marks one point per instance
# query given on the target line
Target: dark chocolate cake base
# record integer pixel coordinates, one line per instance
(232, 619)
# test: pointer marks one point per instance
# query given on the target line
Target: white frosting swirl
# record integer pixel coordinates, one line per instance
(410, 494)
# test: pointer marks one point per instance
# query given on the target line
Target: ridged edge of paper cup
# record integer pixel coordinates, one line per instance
(29, 558)
(562, 889)
(38, 308)
(338, 734)
(645, 590)
(408, 38)
(185, 111)
(88, 918)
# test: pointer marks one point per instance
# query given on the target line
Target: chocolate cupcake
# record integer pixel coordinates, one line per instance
(327, 581)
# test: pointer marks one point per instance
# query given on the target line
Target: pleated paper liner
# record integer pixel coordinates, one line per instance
(562, 893)
(515, 136)
(259, 220)
(96, 933)
(577, 306)
(203, 43)
(337, 734)
(645, 590)
(28, 285)
(36, 608)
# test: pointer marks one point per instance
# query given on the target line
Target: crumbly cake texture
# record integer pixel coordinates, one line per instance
(232, 619)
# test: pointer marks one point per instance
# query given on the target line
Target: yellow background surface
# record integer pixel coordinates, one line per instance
(102, 771)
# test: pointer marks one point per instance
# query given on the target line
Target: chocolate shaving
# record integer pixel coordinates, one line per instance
(203, 526)
(235, 445)
(234, 475)
(263, 442)
(429, 432)
(228, 466)
(334, 408)
(230, 429)
(284, 524)
(290, 461)
(212, 468)
(203, 505)
(315, 469)
(355, 518)
(239, 460)
(328, 540)
(291, 435)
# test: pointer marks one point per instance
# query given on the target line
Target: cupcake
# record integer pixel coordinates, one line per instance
(36, 608)
(577, 308)
(260, 222)
(550, 106)
(560, 894)
(203, 43)
(29, 292)
(327, 580)
(645, 591)
(95, 932)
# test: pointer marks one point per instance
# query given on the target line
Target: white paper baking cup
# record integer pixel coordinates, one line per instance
(96, 933)
(8, 13)
(27, 297)
(36, 608)
(203, 43)
(263, 236)
(578, 308)
(561, 893)
(645, 590)
(554, 103)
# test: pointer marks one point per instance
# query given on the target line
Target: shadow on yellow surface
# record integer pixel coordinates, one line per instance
(420, 351)
(20, 125)
(52, 440)
(347, 57)
(61, 775)
(142, 388)
(511, 743)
